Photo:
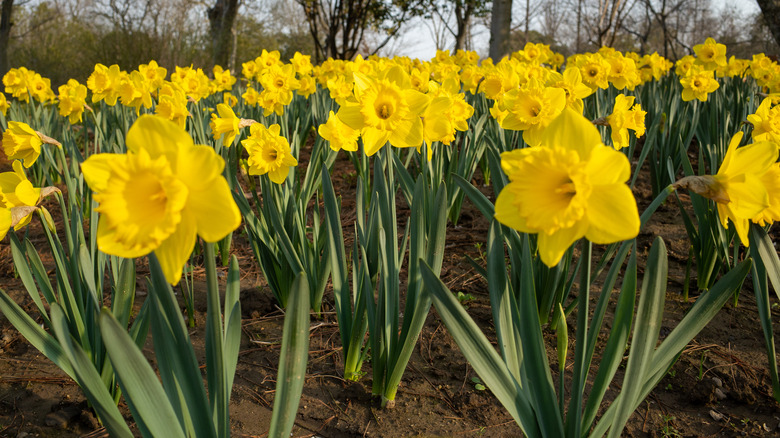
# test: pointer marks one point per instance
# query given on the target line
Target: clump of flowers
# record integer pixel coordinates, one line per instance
(73, 100)
(625, 115)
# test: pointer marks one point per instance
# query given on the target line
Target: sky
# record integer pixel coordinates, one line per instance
(418, 42)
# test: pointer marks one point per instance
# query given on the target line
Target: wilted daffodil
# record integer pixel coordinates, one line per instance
(568, 187)
(160, 195)
(21, 142)
(740, 186)
(269, 153)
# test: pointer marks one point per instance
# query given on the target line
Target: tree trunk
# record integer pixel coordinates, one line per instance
(500, 23)
(770, 9)
(463, 19)
(5, 34)
(222, 16)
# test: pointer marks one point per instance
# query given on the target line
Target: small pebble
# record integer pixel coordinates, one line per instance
(720, 394)
(716, 415)
(717, 382)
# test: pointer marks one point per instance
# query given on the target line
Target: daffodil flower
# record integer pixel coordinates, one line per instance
(625, 115)
(269, 153)
(387, 109)
(570, 186)
(339, 135)
(160, 195)
(740, 186)
(21, 142)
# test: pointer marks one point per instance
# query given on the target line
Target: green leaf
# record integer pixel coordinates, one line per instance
(143, 393)
(88, 378)
(480, 354)
(292, 361)
(648, 326)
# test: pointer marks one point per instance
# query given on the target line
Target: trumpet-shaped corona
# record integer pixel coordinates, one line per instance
(571, 186)
(160, 195)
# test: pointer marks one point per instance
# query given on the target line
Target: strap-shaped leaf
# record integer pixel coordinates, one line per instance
(143, 393)
(480, 354)
(292, 360)
(88, 378)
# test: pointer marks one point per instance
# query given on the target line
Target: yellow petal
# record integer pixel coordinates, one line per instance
(5, 221)
(607, 166)
(552, 246)
(407, 133)
(97, 169)
(214, 210)
(351, 116)
(108, 243)
(198, 167)
(572, 131)
(174, 251)
(373, 140)
(612, 213)
(27, 194)
(507, 213)
(158, 137)
(747, 198)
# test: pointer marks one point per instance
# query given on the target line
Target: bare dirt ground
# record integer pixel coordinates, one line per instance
(719, 387)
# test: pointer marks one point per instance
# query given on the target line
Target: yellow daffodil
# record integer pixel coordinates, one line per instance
(172, 104)
(251, 96)
(6, 220)
(770, 180)
(17, 191)
(571, 83)
(531, 108)
(740, 186)
(269, 153)
(625, 115)
(710, 55)
(278, 86)
(766, 122)
(160, 195)
(594, 70)
(104, 82)
(154, 74)
(4, 105)
(308, 86)
(16, 82)
(135, 92)
(302, 64)
(569, 187)
(224, 125)
(21, 142)
(339, 135)
(73, 99)
(698, 84)
(40, 88)
(386, 109)
(223, 80)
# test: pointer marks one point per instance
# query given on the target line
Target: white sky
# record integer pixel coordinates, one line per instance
(418, 42)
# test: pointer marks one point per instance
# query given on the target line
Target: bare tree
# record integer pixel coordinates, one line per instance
(338, 27)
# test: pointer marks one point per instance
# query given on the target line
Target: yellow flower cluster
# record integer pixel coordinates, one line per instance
(22, 83)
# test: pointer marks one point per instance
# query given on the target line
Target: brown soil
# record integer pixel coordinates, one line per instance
(719, 387)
